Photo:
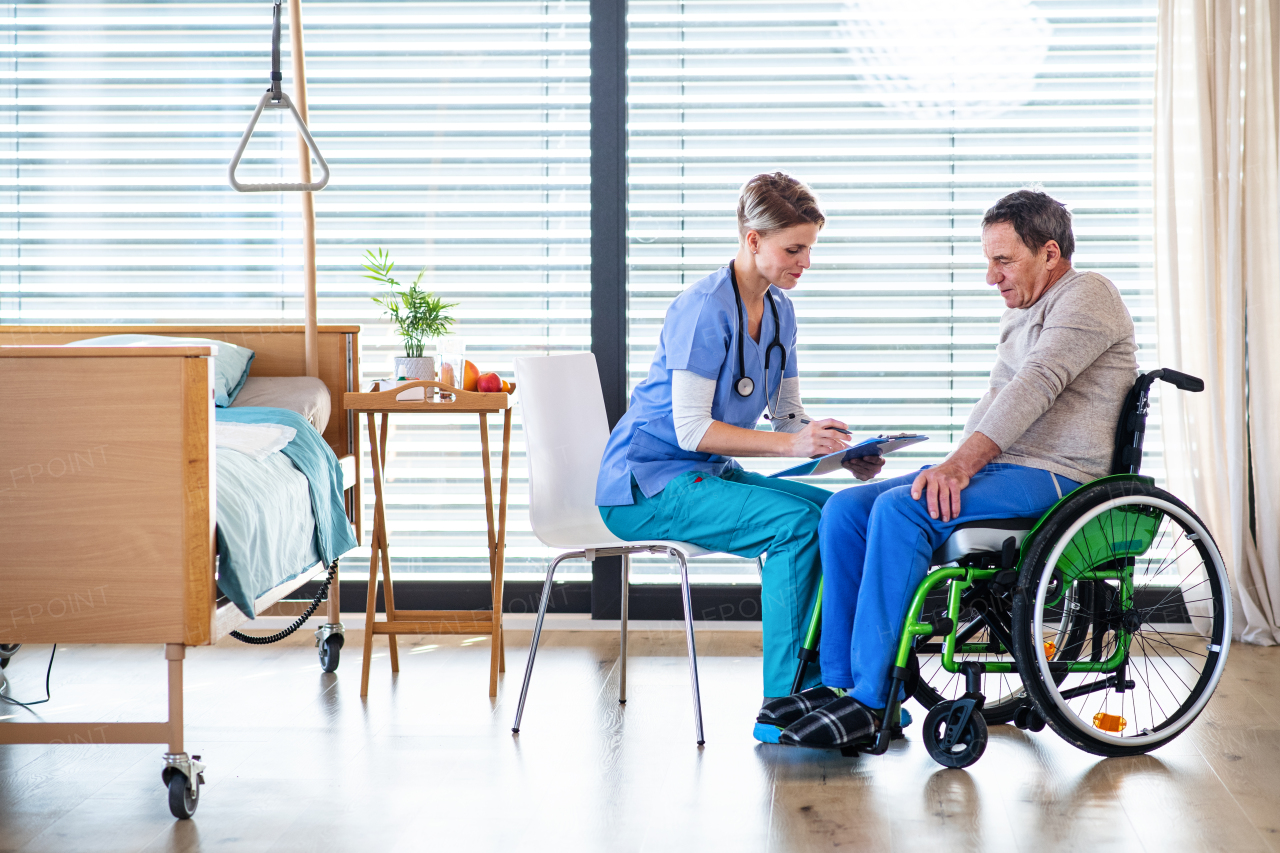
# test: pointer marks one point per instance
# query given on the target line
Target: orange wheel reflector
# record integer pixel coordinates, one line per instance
(1109, 722)
(1049, 650)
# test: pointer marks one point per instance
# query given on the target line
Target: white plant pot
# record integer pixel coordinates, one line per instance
(418, 368)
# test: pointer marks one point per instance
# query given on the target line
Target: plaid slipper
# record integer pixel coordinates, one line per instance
(842, 723)
(784, 711)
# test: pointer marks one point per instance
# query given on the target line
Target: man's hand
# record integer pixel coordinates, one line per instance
(942, 484)
(864, 467)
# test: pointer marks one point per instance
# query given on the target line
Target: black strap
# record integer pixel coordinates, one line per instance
(276, 77)
(737, 301)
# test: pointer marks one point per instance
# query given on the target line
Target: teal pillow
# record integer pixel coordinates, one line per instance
(230, 365)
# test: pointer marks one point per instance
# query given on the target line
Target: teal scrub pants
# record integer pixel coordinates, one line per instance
(745, 514)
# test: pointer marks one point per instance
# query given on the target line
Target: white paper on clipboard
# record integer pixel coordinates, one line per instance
(878, 446)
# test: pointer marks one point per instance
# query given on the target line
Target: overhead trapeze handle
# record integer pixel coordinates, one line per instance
(275, 99)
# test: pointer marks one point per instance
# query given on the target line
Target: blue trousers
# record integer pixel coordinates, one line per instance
(746, 514)
(876, 547)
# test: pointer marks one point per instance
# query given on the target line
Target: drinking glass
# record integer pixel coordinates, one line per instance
(453, 353)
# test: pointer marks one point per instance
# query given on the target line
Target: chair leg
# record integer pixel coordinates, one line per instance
(537, 633)
(693, 652)
(622, 656)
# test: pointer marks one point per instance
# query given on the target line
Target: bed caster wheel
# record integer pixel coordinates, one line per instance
(183, 796)
(183, 775)
(330, 652)
(1028, 718)
(955, 733)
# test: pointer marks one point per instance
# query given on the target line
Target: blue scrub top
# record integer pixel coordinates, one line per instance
(699, 334)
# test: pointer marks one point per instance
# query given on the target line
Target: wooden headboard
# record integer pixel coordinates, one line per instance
(278, 351)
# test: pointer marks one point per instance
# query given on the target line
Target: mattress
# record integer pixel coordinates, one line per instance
(305, 395)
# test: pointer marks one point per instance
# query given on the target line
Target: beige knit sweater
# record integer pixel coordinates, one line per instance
(1063, 368)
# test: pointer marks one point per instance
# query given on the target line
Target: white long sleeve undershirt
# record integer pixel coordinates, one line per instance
(692, 396)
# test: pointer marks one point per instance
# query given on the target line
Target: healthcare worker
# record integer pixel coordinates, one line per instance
(725, 358)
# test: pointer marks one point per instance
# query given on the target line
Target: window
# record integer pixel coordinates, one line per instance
(457, 134)
(909, 120)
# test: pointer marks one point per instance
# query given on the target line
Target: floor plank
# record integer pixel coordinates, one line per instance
(298, 762)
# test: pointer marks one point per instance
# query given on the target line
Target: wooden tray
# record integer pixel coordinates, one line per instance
(465, 402)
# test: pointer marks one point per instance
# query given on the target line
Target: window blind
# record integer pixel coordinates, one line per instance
(457, 134)
(909, 119)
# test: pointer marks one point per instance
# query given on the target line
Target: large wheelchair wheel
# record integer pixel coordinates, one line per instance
(1138, 566)
(986, 628)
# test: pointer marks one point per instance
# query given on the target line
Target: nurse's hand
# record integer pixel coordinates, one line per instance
(819, 438)
(864, 467)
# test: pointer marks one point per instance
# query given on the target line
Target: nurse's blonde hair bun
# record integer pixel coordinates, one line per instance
(774, 201)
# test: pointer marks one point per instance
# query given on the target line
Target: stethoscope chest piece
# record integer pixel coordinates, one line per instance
(746, 386)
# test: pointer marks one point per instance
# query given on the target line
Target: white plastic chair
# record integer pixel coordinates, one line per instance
(565, 430)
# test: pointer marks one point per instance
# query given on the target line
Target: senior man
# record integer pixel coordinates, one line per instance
(1045, 425)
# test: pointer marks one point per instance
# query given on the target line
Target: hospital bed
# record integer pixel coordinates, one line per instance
(108, 503)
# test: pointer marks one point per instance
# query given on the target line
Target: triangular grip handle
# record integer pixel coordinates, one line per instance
(283, 103)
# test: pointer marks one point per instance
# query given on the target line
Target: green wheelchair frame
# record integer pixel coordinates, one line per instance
(1000, 570)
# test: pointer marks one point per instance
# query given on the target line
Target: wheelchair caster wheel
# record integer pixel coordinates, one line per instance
(184, 796)
(330, 652)
(1028, 718)
(952, 740)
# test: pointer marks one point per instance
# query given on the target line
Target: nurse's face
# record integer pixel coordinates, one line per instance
(783, 256)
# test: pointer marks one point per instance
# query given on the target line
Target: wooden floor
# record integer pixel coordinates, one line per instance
(298, 762)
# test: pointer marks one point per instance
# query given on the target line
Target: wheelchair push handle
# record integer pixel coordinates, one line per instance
(1181, 381)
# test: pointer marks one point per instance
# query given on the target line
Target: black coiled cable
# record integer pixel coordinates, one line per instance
(280, 635)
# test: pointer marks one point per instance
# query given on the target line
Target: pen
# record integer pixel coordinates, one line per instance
(836, 428)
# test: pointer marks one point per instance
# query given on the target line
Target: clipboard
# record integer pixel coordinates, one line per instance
(877, 446)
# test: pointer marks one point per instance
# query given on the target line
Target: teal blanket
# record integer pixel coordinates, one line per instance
(259, 545)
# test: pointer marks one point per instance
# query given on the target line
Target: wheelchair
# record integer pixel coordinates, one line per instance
(1108, 618)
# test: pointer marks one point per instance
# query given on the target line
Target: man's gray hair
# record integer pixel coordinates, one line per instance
(1036, 218)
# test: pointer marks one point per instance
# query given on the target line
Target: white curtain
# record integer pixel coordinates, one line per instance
(1217, 242)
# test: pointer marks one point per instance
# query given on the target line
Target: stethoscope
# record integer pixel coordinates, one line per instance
(746, 386)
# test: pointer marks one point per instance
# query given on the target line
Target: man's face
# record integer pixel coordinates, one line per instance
(1022, 275)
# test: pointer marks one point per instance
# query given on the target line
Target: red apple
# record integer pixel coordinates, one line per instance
(489, 383)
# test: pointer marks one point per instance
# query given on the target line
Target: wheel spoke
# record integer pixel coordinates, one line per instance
(1169, 689)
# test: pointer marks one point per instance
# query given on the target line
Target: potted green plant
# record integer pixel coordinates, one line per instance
(419, 316)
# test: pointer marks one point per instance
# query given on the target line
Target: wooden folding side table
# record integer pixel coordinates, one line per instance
(434, 621)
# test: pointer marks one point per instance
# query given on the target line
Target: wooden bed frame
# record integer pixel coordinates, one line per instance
(107, 497)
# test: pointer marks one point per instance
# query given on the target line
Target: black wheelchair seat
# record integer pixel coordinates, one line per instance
(988, 535)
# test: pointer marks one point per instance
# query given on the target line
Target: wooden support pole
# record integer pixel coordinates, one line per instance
(174, 653)
(311, 336)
